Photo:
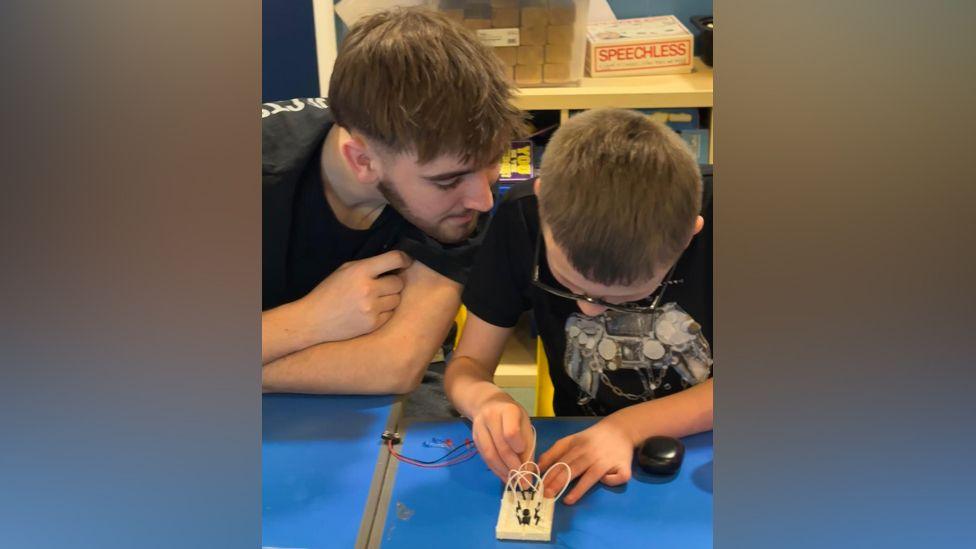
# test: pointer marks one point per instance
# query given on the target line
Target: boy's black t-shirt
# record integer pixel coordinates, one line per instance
(500, 289)
(303, 242)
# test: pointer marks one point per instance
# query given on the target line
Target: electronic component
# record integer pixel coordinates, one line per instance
(525, 513)
(456, 453)
(660, 455)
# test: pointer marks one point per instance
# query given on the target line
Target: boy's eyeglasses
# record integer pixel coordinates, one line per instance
(643, 306)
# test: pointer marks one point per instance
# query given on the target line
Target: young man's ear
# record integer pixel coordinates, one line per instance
(361, 159)
(535, 185)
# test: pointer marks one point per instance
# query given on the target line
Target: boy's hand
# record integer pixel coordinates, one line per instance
(503, 434)
(604, 453)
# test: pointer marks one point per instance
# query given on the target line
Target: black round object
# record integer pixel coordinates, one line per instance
(661, 455)
(706, 26)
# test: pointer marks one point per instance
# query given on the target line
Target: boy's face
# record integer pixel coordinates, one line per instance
(566, 275)
(442, 198)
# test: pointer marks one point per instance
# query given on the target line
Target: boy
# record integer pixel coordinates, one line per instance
(369, 199)
(596, 253)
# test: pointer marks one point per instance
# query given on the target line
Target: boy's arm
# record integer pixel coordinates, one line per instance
(678, 415)
(605, 451)
(500, 426)
(468, 380)
(391, 359)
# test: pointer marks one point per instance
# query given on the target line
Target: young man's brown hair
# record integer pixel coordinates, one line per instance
(620, 193)
(413, 80)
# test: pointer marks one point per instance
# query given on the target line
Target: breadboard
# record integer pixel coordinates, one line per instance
(525, 515)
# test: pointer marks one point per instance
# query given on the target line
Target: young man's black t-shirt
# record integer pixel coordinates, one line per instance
(303, 242)
(500, 289)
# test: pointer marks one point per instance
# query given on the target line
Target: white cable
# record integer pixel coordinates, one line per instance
(540, 481)
(569, 477)
(518, 475)
(534, 437)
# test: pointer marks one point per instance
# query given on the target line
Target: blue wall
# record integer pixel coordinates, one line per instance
(288, 62)
(682, 9)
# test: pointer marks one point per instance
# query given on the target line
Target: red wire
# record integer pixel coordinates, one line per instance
(453, 461)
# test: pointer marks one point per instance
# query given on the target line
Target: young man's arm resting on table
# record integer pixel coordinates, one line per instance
(359, 297)
(391, 359)
(500, 426)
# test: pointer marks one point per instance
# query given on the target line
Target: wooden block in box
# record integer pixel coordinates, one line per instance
(562, 13)
(559, 53)
(503, 18)
(531, 55)
(476, 24)
(532, 36)
(455, 14)
(555, 72)
(528, 74)
(560, 34)
(535, 16)
(477, 11)
(508, 54)
(504, 3)
(510, 72)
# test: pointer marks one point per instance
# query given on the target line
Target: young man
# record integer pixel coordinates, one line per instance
(369, 202)
(600, 253)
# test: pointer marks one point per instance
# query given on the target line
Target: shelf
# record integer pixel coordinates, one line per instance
(517, 367)
(693, 89)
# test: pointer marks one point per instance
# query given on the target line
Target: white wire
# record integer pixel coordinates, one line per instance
(540, 481)
(534, 437)
(518, 475)
(569, 477)
(533, 464)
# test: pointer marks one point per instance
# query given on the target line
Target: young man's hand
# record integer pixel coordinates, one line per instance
(503, 434)
(359, 297)
(603, 453)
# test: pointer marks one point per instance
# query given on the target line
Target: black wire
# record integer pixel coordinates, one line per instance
(442, 458)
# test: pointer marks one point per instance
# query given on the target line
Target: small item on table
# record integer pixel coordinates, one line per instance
(660, 455)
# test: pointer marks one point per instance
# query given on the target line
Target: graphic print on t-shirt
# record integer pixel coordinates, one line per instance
(606, 348)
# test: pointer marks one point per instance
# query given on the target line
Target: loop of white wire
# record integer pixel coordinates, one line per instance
(516, 476)
(569, 476)
(537, 482)
(534, 437)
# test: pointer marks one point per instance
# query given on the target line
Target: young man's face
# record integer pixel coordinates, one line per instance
(442, 198)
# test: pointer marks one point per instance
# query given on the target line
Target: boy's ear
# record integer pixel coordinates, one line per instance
(361, 159)
(535, 185)
(699, 225)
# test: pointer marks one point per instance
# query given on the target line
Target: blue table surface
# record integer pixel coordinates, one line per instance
(458, 506)
(318, 457)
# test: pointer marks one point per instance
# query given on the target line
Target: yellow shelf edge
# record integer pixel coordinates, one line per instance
(693, 89)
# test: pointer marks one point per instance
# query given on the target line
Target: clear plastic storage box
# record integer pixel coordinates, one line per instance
(542, 42)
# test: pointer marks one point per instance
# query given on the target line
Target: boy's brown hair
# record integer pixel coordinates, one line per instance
(620, 193)
(413, 80)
